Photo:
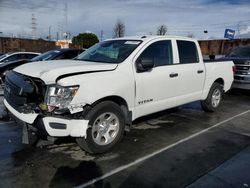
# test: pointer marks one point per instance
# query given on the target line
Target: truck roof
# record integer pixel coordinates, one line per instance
(151, 37)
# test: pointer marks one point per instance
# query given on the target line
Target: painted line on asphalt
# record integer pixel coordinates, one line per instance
(121, 168)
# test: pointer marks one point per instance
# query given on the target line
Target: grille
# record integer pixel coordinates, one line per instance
(22, 91)
(244, 68)
(238, 78)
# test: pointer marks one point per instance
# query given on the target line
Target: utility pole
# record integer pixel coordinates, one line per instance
(66, 21)
(206, 34)
(1, 40)
(101, 35)
(49, 33)
(33, 26)
(238, 29)
(66, 16)
(60, 30)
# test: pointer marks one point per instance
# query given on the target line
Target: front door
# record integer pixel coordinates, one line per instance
(156, 88)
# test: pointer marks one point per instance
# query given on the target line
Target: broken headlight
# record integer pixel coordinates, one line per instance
(59, 96)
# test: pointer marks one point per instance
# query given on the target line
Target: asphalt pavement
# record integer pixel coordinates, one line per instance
(182, 147)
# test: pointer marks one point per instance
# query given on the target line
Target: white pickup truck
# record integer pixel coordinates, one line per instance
(95, 96)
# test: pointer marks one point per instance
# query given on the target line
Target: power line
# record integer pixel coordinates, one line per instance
(212, 24)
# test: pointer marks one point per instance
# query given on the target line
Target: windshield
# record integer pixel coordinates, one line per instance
(114, 51)
(4, 56)
(46, 56)
(240, 52)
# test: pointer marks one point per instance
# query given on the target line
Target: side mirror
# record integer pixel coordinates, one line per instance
(144, 64)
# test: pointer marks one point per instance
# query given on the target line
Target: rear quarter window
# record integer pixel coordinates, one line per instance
(30, 56)
(72, 54)
(187, 52)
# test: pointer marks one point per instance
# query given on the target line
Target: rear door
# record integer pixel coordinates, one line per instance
(191, 72)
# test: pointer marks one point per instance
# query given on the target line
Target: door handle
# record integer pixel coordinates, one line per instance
(200, 71)
(172, 75)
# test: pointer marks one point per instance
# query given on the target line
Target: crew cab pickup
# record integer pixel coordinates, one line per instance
(96, 96)
(241, 58)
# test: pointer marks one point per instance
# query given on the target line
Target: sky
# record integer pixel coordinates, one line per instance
(141, 17)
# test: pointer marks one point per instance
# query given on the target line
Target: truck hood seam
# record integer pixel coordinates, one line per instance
(82, 72)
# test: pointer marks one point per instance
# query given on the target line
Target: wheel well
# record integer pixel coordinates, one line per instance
(118, 100)
(122, 103)
(220, 81)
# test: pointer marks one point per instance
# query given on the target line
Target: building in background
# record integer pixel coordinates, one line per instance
(63, 43)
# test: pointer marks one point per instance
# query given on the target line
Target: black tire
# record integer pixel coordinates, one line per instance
(208, 105)
(89, 144)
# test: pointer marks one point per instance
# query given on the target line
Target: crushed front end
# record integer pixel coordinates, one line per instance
(41, 108)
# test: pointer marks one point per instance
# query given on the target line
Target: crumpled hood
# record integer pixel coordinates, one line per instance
(49, 71)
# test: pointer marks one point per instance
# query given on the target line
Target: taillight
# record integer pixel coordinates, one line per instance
(234, 69)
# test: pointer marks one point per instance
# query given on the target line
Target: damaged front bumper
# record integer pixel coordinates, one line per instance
(53, 126)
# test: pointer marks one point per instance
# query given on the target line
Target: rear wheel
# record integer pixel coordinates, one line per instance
(213, 99)
(107, 125)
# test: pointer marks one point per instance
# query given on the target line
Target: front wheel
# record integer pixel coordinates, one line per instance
(107, 125)
(213, 99)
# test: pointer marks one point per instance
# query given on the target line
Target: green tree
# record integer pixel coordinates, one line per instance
(86, 40)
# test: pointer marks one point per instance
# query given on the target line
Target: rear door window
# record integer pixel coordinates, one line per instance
(71, 54)
(187, 52)
(61, 56)
(30, 56)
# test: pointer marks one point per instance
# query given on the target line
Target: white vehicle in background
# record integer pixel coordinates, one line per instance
(17, 56)
(95, 96)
